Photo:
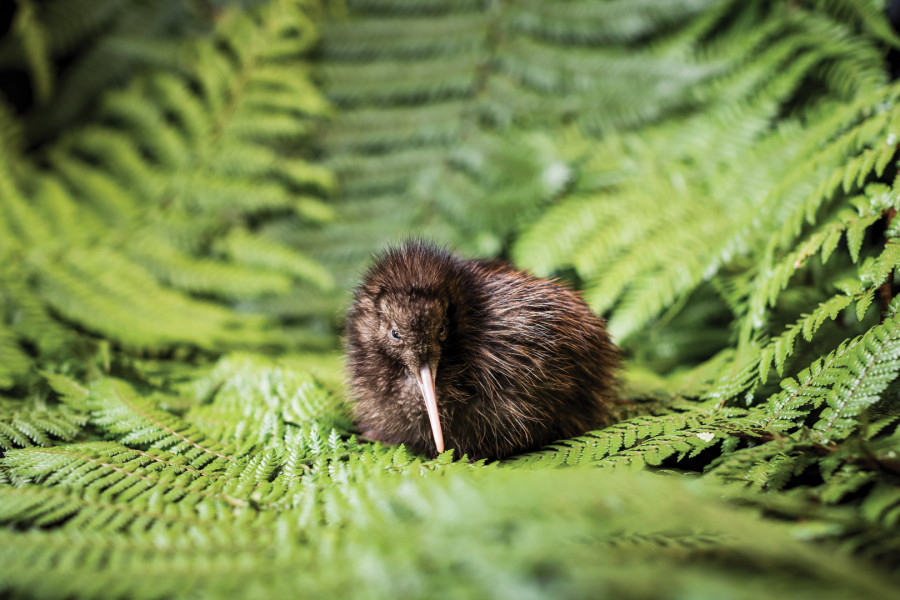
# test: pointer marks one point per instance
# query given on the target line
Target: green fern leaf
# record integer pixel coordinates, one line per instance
(769, 466)
(119, 411)
(14, 363)
(872, 365)
(779, 349)
(24, 425)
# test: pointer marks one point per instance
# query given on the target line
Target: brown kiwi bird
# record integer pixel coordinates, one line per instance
(475, 356)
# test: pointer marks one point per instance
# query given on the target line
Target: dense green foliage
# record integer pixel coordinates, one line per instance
(191, 190)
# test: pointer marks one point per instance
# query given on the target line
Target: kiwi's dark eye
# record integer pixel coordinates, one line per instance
(441, 330)
(395, 335)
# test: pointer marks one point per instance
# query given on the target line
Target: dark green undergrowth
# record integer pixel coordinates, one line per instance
(189, 190)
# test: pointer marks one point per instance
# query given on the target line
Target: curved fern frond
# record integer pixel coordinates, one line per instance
(870, 368)
(844, 383)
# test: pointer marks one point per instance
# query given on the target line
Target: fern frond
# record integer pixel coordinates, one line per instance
(843, 483)
(134, 419)
(256, 251)
(607, 249)
(868, 15)
(396, 137)
(76, 49)
(48, 507)
(14, 363)
(164, 194)
(120, 289)
(882, 506)
(769, 466)
(824, 242)
(848, 380)
(636, 442)
(34, 42)
(858, 129)
(779, 349)
(872, 365)
(206, 276)
(106, 487)
(262, 401)
(25, 424)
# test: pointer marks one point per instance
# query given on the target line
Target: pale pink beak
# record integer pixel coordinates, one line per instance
(425, 379)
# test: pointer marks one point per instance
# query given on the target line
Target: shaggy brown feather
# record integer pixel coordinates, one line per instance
(518, 361)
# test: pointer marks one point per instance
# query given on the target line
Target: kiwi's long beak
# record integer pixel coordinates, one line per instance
(426, 384)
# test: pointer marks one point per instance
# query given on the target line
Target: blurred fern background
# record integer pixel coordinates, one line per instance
(189, 189)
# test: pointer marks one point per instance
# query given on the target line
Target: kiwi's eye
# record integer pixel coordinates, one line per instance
(441, 330)
(395, 335)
